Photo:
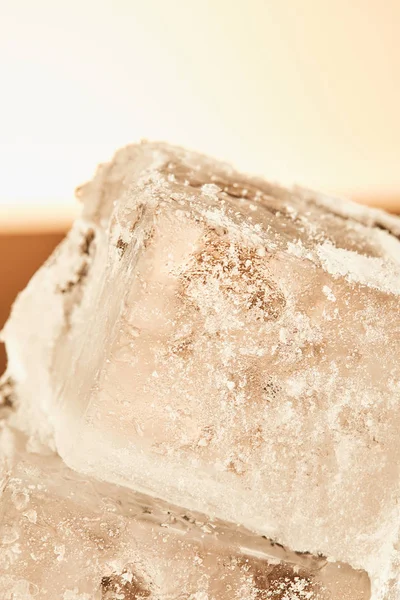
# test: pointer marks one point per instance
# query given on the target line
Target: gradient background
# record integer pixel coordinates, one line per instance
(304, 91)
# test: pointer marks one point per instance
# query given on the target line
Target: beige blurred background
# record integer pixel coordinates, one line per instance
(304, 91)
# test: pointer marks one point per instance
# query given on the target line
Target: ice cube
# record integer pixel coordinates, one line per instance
(227, 345)
(64, 536)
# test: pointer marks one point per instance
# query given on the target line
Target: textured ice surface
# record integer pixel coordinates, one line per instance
(227, 345)
(64, 537)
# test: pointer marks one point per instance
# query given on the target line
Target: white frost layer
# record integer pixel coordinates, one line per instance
(377, 273)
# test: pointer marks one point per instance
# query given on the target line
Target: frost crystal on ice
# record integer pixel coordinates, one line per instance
(230, 347)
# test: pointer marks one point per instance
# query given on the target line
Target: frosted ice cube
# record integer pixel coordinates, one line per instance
(227, 345)
(64, 536)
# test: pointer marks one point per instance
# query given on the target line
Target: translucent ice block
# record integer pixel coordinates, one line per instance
(67, 537)
(227, 345)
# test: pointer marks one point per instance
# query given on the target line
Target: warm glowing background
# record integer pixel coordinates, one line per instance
(296, 90)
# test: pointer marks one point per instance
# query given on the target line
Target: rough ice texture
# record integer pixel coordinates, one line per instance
(226, 345)
(65, 536)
